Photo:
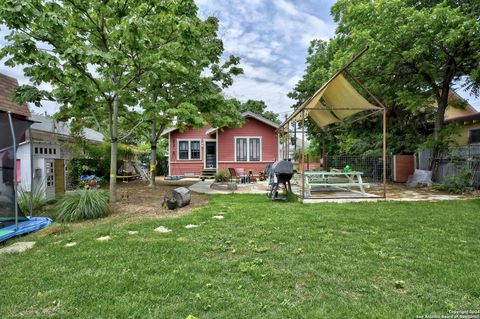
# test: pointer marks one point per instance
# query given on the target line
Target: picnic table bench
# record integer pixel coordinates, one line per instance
(335, 179)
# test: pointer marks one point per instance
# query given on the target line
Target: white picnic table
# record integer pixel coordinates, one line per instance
(337, 179)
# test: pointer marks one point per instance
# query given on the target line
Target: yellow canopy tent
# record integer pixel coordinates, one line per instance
(335, 101)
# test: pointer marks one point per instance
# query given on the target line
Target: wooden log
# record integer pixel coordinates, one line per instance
(182, 196)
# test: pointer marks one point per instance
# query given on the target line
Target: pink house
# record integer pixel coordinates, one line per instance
(207, 149)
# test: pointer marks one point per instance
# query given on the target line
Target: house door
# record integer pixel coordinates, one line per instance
(210, 154)
(59, 176)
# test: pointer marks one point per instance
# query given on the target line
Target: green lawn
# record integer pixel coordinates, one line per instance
(264, 260)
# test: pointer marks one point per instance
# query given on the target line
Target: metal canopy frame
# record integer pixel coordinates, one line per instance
(284, 129)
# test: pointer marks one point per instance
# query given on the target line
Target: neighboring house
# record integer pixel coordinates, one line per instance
(468, 117)
(51, 152)
(195, 151)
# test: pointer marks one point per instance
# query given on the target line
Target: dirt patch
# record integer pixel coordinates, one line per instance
(137, 200)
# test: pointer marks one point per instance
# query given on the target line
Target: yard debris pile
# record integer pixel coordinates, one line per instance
(420, 178)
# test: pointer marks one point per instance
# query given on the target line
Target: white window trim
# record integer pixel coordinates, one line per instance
(470, 133)
(248, 149)
(189, 149)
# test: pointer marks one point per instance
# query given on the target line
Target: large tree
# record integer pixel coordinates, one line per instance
(424, 47)
(95, 53)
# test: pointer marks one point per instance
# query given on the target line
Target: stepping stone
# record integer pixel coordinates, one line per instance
(17, 247)
(71, 244)
(219, 217)
(132, 232)
(191, 226)
(104, 238)
(162, 230)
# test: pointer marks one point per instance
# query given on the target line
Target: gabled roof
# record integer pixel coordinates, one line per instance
(260, 118)
(244, 114)
(49, 125)
(452, 95)
(7, 88)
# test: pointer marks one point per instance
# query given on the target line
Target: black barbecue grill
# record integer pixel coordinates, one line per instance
(280, 173)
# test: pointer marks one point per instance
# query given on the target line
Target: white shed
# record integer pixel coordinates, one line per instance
(50, 152)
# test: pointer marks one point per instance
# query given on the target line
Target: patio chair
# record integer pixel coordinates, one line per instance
(239, 175)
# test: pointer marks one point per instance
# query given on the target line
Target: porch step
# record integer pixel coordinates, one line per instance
(208, 173)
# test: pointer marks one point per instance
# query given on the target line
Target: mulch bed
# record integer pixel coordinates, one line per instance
(137, 199)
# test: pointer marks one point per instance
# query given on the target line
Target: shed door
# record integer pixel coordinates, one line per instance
(59, 176)
(49, 179)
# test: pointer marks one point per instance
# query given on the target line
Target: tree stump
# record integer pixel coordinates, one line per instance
(182, 196)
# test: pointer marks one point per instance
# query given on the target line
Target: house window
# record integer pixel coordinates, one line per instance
(194, 149)
(248, 149)
(189, 150)
(183, 150)
(254, 145)
(474, 136)
(242, 150)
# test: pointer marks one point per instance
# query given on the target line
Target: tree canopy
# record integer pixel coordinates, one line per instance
(107, 60)
(418, 51)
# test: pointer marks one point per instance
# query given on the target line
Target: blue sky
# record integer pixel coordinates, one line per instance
(270, 36)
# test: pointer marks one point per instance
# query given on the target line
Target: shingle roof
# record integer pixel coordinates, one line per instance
(244, 114)
(48, 125)
(7, 87)
(260, 118)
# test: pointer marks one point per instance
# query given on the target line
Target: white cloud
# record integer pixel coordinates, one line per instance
(271, 37)
(272, 93)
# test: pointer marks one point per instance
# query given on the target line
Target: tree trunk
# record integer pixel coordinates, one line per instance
(153, 154)
(153, 163)
(440, 115)
(442, 103)
(113, 152)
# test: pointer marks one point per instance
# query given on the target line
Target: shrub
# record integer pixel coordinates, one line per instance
(457, 182)
(222, 176)
(38, 197)
(83, 204)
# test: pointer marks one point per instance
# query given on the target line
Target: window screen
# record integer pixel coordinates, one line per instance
(241, 146)
(195, 150)
(254, 149)
(183, 150)
(474, 136)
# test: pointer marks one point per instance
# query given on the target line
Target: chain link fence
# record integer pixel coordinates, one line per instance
(371, 166)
